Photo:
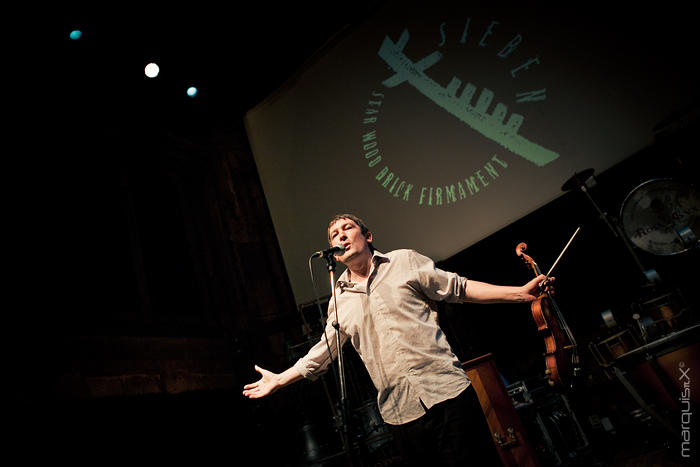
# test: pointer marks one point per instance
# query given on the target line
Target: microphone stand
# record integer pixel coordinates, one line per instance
(330, 264)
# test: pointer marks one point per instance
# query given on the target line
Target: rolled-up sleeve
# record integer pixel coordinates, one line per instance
(437, 284)
(317, 359)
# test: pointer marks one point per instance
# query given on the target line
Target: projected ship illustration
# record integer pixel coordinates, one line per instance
(491, 125)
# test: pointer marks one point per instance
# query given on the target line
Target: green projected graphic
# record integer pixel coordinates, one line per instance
(441, 123)
(492, 125)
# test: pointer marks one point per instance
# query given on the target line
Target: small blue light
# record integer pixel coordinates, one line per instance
(76, 34)
(191, 91)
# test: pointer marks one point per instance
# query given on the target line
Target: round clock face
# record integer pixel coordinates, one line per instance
(662, 217)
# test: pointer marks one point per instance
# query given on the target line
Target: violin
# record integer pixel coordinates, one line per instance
(561, 355)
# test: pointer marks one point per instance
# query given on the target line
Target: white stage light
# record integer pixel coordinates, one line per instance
(152, 70)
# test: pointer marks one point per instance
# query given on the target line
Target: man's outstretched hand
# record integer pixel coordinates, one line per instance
(266, 385)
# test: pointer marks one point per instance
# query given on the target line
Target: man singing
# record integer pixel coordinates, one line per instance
(387, 304)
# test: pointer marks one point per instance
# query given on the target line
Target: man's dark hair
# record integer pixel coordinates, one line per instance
(360, 223)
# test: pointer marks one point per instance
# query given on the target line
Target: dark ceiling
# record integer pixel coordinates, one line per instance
(235, 56)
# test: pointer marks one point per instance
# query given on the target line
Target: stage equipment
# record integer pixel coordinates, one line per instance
(660, 315)
(607, 350)
(342, 414)
(580, 181)
(657, 376)
(506, 427)
(374, 432)
(662, 217)
(550, 422)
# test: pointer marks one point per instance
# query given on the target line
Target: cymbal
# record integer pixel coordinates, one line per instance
(578, 179)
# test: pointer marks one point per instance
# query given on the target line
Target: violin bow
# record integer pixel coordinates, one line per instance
(562, 253)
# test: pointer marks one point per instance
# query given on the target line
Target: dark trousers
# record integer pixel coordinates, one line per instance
(453, 432)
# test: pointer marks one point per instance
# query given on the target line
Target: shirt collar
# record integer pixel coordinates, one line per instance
(343, 283)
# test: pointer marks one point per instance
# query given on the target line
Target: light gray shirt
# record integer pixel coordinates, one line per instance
(392, 323)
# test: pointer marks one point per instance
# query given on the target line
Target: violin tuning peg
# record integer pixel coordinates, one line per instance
(548, 372)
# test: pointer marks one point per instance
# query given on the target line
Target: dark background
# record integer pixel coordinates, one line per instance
(150, 279)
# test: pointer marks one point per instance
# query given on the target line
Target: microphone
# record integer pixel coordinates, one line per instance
(336, 250)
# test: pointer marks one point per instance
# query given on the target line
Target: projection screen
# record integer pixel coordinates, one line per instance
(440, 124)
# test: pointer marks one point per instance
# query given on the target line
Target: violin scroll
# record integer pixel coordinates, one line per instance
(520, 251)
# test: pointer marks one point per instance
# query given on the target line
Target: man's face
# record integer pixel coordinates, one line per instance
(347, 233)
